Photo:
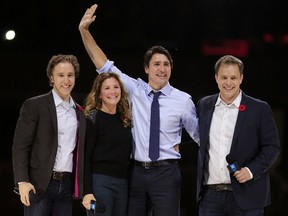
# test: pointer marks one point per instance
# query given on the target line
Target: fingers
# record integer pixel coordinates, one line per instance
(87, 200)
(88, 18)
(24, 189)
(242, 175)
(93, 8)
(176, 148)
(86, 204)
(90, 11)
(24, 197)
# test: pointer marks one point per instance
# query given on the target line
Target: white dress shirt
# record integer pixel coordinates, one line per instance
(220, 139)
(67, 128)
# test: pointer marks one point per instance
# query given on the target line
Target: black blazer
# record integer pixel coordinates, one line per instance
(36, 140)
(255, 145)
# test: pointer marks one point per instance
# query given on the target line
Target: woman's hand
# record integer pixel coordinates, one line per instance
(87, 200)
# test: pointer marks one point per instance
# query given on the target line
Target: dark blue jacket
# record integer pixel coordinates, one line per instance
(255, 145)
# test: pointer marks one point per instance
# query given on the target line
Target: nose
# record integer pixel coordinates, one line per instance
(228, 81)
(66, 79)
(112, 91)
(162, 68)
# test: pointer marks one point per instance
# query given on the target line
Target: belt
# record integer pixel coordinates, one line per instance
(220, 187)
(61, 176)
(156, 164)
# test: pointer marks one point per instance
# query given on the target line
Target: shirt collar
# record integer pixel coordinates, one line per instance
(59, 101)
(235, 103)
(165, 90)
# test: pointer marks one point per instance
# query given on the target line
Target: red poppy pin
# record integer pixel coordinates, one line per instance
(242, 108)
(80, 108)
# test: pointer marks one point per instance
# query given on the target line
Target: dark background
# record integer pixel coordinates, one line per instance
(196, 32)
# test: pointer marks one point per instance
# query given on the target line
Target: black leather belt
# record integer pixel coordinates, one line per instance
(155, 164)
(61, 176)
(220, 187)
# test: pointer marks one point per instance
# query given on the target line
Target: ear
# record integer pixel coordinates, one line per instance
(146, 70)
(52, 79)
(241, 78)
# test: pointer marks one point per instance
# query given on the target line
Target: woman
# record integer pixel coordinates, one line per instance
(108, 145)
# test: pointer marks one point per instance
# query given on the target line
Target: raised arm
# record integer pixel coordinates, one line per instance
(97, 56)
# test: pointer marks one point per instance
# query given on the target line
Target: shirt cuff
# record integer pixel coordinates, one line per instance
(21, 183)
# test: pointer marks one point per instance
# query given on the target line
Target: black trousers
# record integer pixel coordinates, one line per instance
(156, 188)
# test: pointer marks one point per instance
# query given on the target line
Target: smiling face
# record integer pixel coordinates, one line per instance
(229, 79)
(159, 71)
(110, 94)
(63, 79)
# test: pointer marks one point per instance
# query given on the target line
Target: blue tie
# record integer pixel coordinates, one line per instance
(154, 128)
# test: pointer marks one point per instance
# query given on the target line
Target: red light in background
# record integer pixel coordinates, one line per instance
(267, 38)
(284, 39)
(238, 47)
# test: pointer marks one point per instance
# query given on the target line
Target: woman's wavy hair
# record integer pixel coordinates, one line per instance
(93, 101)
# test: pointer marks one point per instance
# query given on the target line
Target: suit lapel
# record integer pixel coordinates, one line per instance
(52, 109)
(209, 115)
(210, 111)
(240, 121)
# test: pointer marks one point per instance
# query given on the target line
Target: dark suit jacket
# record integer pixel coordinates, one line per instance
(255, 145)
(36, 140)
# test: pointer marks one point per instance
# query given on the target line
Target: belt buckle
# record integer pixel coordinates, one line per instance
(146, 165)
(219, 188)
(54, 175)
(222, 187)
